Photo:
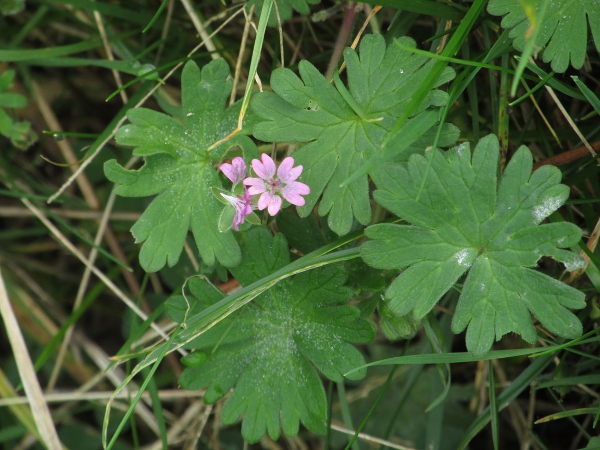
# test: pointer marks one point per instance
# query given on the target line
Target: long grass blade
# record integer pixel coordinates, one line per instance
(493, 407)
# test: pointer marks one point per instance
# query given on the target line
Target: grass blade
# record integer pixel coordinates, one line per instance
(493, 407)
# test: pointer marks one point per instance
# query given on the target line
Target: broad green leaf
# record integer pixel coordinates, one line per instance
(285, 7)
(345, 127)
(563, 30)
(305, 235)
(594, 443)
(179, 170)
(463, 220)
(268, 352)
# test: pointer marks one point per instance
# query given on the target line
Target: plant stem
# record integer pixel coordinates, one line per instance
(342, 40)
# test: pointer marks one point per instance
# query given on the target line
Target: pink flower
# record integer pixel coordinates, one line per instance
(242, 206)
(273, 187)
(236, 171)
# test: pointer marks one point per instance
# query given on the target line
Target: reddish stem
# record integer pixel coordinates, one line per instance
(568, 156)
(343, 38)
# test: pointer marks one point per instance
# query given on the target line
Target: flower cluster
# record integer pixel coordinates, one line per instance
(271, 184)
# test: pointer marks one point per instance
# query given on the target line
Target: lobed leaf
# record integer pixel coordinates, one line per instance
(344, 128)
(463, 221)
(269, 351)
(178, 169)
(563, 29)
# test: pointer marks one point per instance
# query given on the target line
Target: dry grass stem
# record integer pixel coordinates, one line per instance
(109, 54)
(33, 391)
(238, 63)
(19, 212)
(67, 397)
(570, 120)
(179, 431)
(206, 38)
(199, 426)
(96, 272)
(165, 31)
(81, 291)
(368, 438)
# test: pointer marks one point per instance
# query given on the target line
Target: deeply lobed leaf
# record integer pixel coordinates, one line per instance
(178, 169)
(269, 351)
(345, 128)
(462, 220)
(563, 29)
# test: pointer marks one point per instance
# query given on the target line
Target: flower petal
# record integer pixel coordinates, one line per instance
(242, 207)
(274, 205)
(297, 188)
(230, 198)
(293, 192)
(264, 169)
(257, 185)
(292, 175)
(247, 204)
(270, 201)
(238, 219)
(254, 182)
(264, 200)
(235, 171)
(239, 167)
(268, 164)
(228, 170)
(286, 173)
(294, 199)
(284, 168)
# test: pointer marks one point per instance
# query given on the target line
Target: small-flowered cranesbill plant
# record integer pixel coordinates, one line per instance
(271, 185)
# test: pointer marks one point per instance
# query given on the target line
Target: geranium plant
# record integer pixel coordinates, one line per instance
(299, 224)
(369, 163)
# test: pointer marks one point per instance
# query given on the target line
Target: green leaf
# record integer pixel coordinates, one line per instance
(381, 82)
(179, 169)
(20, 133)
(563, 29)
(226, 218)
(588, 93)
(269, 351)
(305, 235)
(285, 7)
(594, 443)
(6, 80)
(463, 220)
(12, 100)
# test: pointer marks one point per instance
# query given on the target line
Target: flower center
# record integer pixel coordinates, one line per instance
(273, 184)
